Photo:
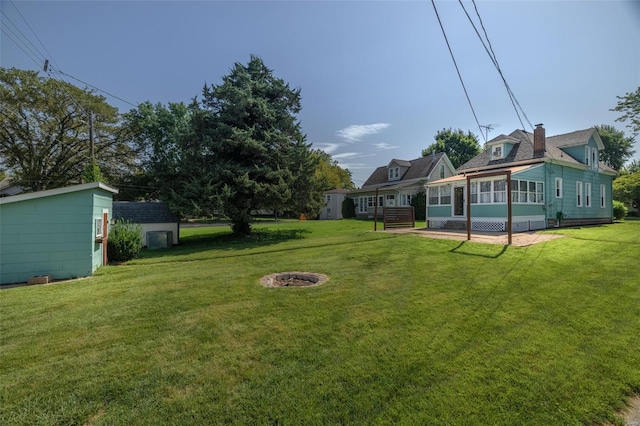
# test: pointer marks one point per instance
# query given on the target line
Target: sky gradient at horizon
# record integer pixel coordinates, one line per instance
(376, 78)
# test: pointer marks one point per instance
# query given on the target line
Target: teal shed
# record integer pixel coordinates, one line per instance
(58, 232)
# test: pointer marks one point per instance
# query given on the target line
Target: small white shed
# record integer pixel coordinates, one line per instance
(332, 208)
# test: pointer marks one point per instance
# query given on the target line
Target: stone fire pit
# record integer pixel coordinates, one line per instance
(293, 279)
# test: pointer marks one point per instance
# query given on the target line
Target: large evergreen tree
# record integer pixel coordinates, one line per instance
(238, 150)
(44, 132)
(459, 146)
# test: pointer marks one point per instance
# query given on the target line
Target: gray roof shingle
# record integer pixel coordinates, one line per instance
(144, 212)
(418, 168)
(523, 150)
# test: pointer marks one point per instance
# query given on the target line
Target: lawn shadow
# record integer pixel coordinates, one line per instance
(226, 241)
(490, 251)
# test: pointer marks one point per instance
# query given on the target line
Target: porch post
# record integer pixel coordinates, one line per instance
(509, 211)
(468, 208)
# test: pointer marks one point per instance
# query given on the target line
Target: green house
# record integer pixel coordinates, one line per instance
(545, 181)
(59, 232)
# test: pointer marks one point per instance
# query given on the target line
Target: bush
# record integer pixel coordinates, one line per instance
(124, 242)
(419, 203)
(619, 210)
(348, 208)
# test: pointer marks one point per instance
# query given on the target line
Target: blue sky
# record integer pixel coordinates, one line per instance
(376, 78)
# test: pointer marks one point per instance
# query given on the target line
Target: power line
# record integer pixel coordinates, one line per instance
(94, 87)
(24, 40)
(457, 69)
(36, 61)
(33, 32)
(494, 60)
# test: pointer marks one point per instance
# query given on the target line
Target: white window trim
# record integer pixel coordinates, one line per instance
(602, 196)
(587, 194)
(579, 194)
(587, 155)
(558, 188)
(99, 226)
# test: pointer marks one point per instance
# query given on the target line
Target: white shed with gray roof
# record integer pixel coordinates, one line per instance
(153, 216)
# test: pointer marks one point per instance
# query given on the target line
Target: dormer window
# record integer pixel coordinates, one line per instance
(496, 152)
(394, 173)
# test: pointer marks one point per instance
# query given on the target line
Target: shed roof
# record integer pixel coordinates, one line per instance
(144, 212)
(57, 191)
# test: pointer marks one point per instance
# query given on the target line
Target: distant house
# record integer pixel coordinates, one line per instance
(557, 180)
(332, 208)
(396, 183)
(58, 232)
(153, 216)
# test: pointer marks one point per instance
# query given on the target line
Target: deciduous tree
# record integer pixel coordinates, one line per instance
(618, 148)
(627, 189)
(629, 106)
(459, 146)
(44, 131)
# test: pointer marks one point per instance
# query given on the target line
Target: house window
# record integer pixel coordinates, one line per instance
(445, 194)
(98, 228)
(391, 200)
(380, 201)
(496, 152)
(594, 158)
(540, 192)
(485, 192)
(523, 191)
(558, 187)
(405, 200)
(394, 173)
(362, 205)
(587, 155)
(579, 194)
(499, 191)
(434, 199)
(441, 171)
(587, 194)
(474, 192)
(327, 198)
(602, 192)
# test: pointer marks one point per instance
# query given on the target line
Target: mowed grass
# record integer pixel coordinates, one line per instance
(408, 330)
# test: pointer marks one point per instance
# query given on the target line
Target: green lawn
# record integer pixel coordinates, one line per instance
(408, 330)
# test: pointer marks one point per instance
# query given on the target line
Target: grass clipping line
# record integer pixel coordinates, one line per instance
(293, 279)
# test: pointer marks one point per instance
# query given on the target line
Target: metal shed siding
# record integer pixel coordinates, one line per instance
(50, 235)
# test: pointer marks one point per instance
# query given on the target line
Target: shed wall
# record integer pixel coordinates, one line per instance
(50, 235)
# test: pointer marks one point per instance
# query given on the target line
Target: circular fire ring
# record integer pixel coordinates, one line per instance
(293, 279)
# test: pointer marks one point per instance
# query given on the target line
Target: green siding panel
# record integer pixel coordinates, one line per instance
(51, 235)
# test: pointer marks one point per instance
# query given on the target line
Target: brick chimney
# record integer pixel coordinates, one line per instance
(539, 140)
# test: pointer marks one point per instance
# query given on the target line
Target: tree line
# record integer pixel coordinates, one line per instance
(236, 149)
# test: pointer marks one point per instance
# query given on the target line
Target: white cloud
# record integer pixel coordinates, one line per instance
(384, 146)
(354, 166)
(345, 155)
(356, 132)
(329, 147)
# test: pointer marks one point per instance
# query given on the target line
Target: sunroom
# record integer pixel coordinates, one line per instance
(485, 197)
